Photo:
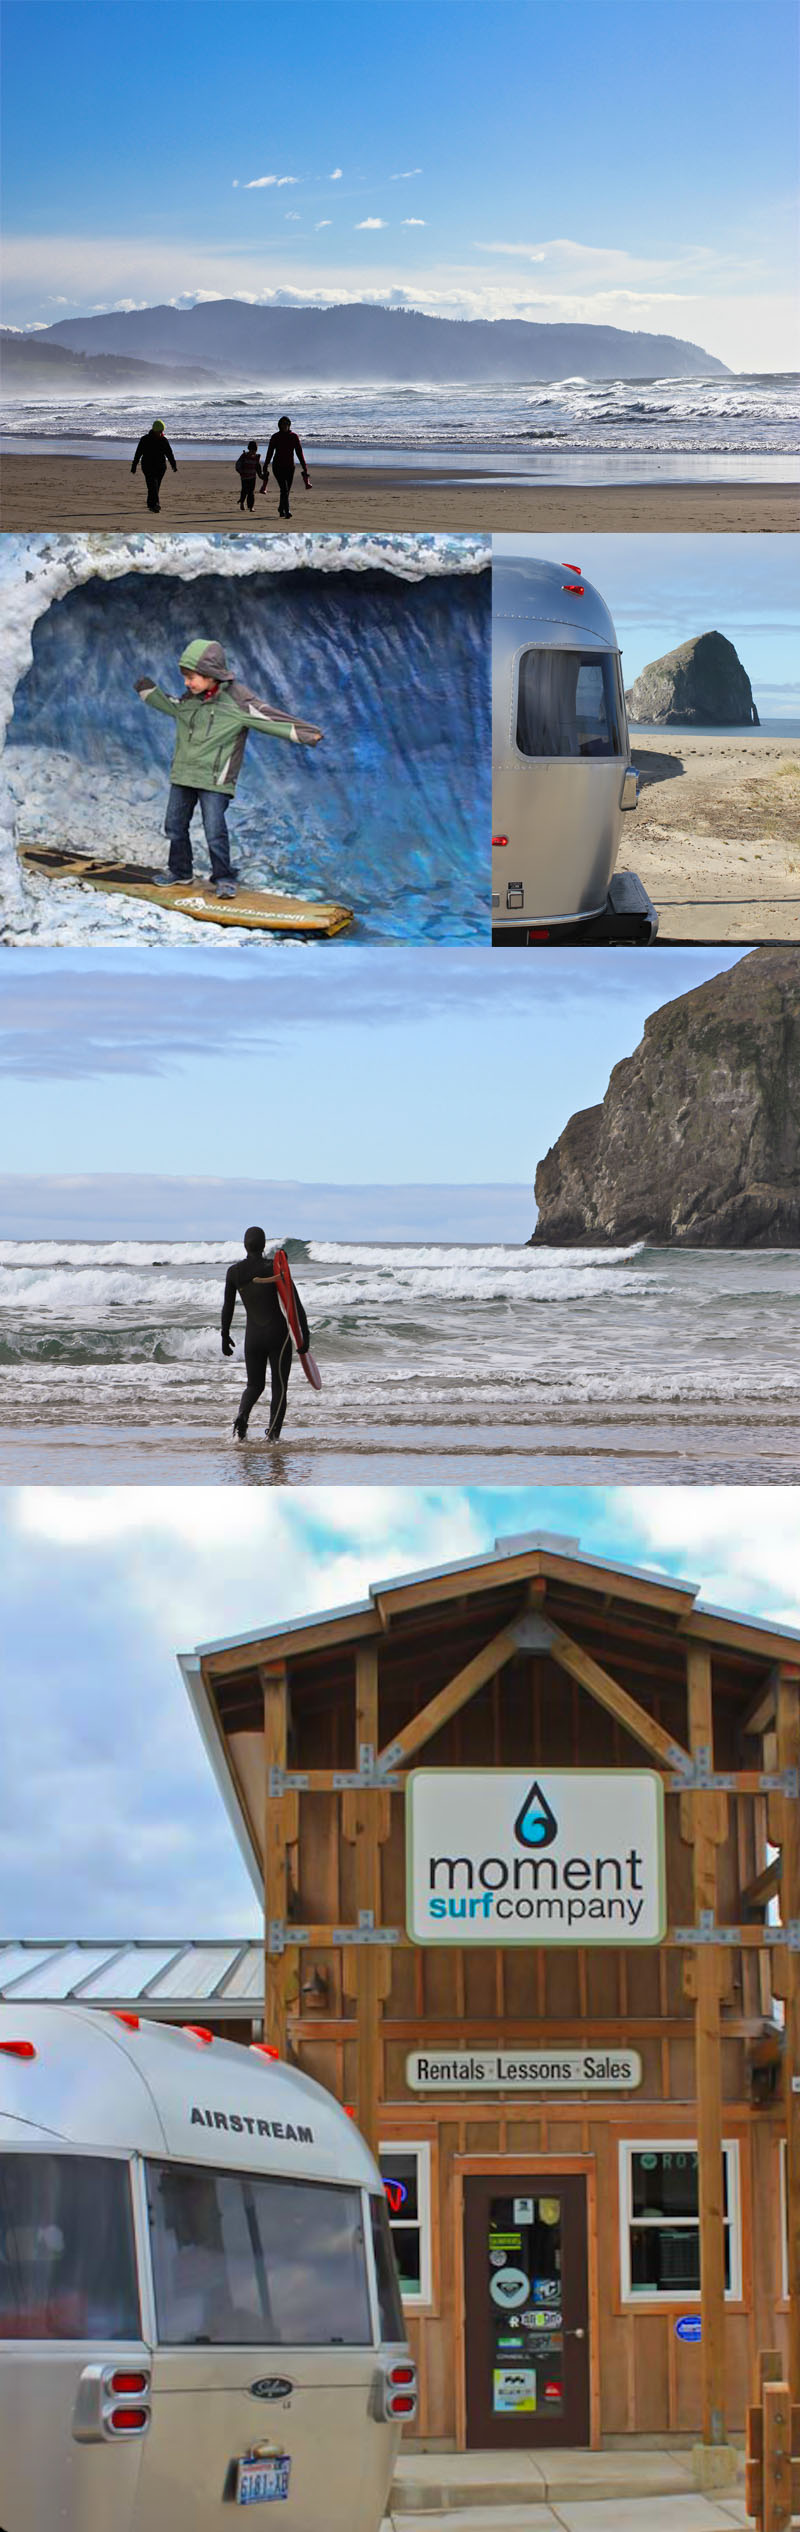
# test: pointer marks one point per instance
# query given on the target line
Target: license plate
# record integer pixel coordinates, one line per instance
(260, 2483)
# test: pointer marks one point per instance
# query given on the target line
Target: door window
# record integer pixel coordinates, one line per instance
(526, 2319)
(67, 2260)
(244, 2261)
(569, 703)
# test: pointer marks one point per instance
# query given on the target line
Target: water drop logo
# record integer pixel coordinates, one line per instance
(536, 1824)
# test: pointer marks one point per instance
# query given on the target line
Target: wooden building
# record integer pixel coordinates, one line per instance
(571, 2135)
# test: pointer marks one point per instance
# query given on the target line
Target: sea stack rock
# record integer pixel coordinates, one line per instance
(701, 685)
(697, 1141)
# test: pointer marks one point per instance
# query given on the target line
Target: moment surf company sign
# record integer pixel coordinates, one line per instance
(573, 1855)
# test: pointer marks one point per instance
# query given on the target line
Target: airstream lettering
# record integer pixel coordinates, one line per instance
(562, 780)
(151, 2246)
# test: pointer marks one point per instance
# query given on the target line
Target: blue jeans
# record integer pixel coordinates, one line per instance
(180, 806)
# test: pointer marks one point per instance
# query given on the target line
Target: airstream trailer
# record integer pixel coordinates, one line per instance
(199, 2307)
(562, 781)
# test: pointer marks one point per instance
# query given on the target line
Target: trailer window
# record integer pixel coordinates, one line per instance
(569, 703)
(241, 2261)
(67, 2261)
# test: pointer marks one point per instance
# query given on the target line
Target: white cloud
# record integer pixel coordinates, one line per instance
(405, 172)
(322, 224)
(255, 183)
(413, 224)
(372, 224)
(335, 175)
(739, 1544)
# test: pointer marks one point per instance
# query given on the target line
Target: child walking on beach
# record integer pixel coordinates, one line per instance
(284, 447)
(213, 717)
(249, 471)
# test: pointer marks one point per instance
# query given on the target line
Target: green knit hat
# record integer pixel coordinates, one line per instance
(158, 426)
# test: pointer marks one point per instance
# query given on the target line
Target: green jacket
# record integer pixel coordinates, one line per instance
(211, 732)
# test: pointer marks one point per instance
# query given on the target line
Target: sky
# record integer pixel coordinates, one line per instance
(663, 590)
(110, 1820)
(608, 165)
(374, 1068)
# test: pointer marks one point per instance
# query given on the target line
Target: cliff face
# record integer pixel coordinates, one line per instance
(697, 1141)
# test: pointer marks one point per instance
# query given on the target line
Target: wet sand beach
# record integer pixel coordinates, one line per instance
(69, 493)
(716, 837)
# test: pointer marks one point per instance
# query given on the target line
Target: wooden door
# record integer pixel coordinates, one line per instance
(527, 2309)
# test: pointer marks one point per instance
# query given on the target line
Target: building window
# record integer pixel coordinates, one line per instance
(660, 2221)
(406, 2176)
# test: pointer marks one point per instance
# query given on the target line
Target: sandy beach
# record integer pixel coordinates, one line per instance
(716, 838)
(69, 493)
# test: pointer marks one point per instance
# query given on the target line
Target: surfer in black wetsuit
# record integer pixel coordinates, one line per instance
(267, 1342)
(284, 447)
(154, 455)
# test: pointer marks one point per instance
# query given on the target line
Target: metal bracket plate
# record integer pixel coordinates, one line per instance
(729, 1936)
(281, 1780)
(282, 1935)
(532, 1634)
(701, 1778)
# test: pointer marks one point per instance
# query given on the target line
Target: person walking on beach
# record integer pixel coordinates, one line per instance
(155, 455)
(267, 1341)
(284, 447)
(249, 470)
(213, 717)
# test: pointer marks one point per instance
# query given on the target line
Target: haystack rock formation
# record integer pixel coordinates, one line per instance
(703, 684)
(697, 1141)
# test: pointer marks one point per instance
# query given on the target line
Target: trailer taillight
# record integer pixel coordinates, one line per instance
(497, 840)
(572, 567)
(572, 589)
(196, 2032)
(401, 2374)
(541, 935)
(131, 2020)
(261, 2048)
(128, 2421)
(128, 2383)
(17, 2048)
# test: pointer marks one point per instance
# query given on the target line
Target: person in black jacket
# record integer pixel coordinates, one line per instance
(284, 447)
(249, 471)
(154, 454)
(267, 1342)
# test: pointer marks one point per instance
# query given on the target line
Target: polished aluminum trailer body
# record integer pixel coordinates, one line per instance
(561, 772)
(193, 2287)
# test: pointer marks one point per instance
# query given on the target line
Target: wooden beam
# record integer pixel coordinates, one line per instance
(607, 1692)
(431, 1718)
(789, 1756)
(276, 1860)
(367, 1981)
(766, 1886)
(705, 1822)
(761, 1713)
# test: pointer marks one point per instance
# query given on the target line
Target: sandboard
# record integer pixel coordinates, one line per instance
(252, 909)
(285, 1289)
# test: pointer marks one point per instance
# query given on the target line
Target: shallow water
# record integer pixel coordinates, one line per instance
(437, 1362)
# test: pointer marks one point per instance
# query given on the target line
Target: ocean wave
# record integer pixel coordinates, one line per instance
(154, 1252)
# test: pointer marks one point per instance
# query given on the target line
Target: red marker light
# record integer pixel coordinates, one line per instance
(403, 2374)
(261, 2048)
(17, 2048)
(131, 2020)
(196, 2032)
(533, 937)
(128, 2421)
(128, 2383)
(573, 567)
(400, 2407)
(497, 840)
(573, 589)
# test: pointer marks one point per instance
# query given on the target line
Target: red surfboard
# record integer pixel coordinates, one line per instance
(286, 1296)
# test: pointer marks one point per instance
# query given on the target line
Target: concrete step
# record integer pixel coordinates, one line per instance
(686, 2513)
(431, 2486)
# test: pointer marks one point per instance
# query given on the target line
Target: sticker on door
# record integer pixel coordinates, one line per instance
(514, 2389)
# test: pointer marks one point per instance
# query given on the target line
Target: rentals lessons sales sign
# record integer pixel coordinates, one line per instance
(569, 1856)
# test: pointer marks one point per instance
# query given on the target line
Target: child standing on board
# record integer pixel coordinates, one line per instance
(213, 717)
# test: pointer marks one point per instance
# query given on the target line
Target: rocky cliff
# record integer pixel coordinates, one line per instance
(697, 1141)
(702, 684)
